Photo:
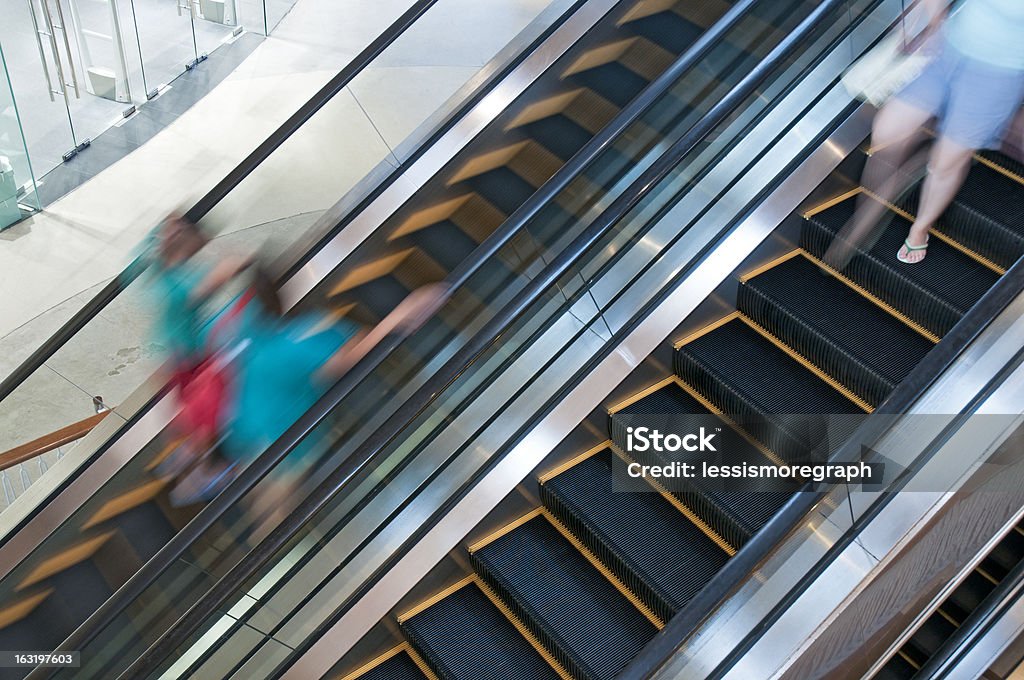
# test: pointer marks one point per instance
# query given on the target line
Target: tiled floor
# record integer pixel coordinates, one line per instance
(52, 263)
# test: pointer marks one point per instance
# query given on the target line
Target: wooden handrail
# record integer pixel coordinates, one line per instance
(48, 442)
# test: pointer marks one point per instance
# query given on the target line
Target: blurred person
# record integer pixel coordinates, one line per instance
(974, 86)
(179, 286)
(284, 364)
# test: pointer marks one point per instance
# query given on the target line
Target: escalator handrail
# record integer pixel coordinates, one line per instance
(205, 204)
(359, 462)
(977, 623)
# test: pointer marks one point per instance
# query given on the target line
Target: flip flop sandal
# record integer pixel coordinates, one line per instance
(910, 249)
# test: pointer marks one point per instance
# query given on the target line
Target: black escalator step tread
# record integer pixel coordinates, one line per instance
(558, 134)
(444, 242)
(1009, 551)
(640, 537)
(935, 293)
(933, 632)
(398, 667)
(465, 637)
(503, 188)
(1005, 162)
(380, 295)
(734, 516)
(583, 620)
(843, 333)
(896, 668)
(669, 398)
(984, 216)
(613, 81)
(967, 596)
(744, 374)
(668, 30)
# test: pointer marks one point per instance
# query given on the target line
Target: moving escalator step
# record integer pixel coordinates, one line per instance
(932, 633)
(734, 516)
(838, 329)
(397, 664)
(986, 214)
(967, 596)
(899, 667)
(587, 624)
(934, 293)
(745, 374)
(640, 537)
(463, 636)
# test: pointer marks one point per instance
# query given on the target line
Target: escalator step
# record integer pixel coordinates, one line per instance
(613, 81)
(445, 242)
(582, 619)
(668, 30)
(839, 330)
(772, 395)
(734, 516)
(397, 667)
(986, 214)
(558, 134)
(1009, 551)
(640, 537)
(967, 596)
(502, 187)
(896, 668)
(935, 293)
(465, 637)
(932, 633)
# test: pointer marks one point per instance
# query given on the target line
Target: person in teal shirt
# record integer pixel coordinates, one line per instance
(282, 365)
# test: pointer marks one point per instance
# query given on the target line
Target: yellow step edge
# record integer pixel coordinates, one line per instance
(942, 237)
(167, 450)
(126, 501)
(434, 599)
(598, 56)
(771, 264)
(998, 168)
(684, 509)
(545, 108)
(523, 630)
(987, 576)
(793, 354)
(836, 200)
(504, 529)
(486, 162)
(605, 571)
(907, 658)
(877, 301)
(573, 462)
(637, 396)
(645, 8)
(15, 612)
(704, 330)
(391, 653)
(948, 618)
(429, 215)
(365, 273)
(66, 558)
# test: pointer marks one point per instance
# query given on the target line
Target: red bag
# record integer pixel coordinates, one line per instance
(203, 396)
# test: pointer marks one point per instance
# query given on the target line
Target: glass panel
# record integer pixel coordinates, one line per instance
(166, 40)
(17, 183)
(31, 52)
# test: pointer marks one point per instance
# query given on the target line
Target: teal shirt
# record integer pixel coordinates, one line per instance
(991, 31)
(178, 323)
(274, 377)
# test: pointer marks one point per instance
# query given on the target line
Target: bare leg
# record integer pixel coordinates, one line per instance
(895, 132)
(947, 168)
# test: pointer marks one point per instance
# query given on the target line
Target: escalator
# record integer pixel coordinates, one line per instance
(127, 521)
(967, 598)
(577, 587)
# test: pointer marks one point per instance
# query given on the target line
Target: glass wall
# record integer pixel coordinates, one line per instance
(75, 67)
(17, 184)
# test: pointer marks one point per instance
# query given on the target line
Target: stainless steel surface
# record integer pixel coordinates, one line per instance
(544, 434)
(107, 464)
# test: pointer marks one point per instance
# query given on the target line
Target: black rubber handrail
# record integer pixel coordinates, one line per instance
(976, 625)
(205, 204)
(359, 463)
